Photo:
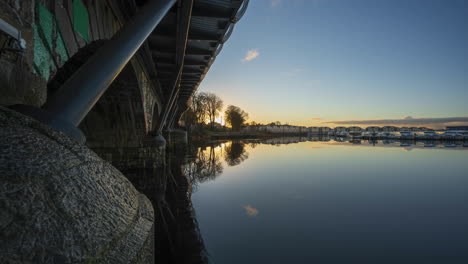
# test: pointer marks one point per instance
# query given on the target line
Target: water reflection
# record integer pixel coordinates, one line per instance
(342, 200)
(203, 162)
(171, 183)
(235, 153)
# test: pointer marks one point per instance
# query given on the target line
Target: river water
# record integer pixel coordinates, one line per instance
(287, 201)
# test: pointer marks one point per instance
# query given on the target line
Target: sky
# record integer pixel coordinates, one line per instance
(340, 62)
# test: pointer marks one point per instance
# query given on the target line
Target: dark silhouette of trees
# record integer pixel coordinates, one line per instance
(199, 107)
(214, 105)
(235, 117)
(203, 106)
(277, 123)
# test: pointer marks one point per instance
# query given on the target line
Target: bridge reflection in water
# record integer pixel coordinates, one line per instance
(170, 181)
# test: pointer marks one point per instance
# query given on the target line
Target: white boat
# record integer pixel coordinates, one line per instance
(431, 135)
(406, 135)
(343, 134)
(452, 135)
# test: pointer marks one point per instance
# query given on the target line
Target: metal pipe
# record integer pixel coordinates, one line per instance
(79, 94)
(12, 32)
(172, 99)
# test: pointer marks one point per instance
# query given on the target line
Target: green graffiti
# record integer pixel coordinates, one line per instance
(49, 48)
(81, 19)
(43, 62)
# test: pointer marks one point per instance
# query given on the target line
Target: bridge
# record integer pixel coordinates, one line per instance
(120, 70)
(113, 76)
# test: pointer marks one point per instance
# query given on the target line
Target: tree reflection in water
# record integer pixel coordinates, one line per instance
(204, 163)
(235, 153)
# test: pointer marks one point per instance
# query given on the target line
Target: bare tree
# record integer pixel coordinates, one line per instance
(199, 107)
(214, 105)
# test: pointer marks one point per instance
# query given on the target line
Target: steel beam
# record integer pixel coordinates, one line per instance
(183, 25)
(79, 94)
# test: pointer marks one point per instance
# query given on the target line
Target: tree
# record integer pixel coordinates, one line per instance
(199, 107)
(235, 117)
(214, 105)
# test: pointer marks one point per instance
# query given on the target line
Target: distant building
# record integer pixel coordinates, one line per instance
(373, 129)
(340, 129)
(389, 129)
(404, 129)
(457, 128)
(354, 129)
(282, 129)
(314, 130)
(324, 130)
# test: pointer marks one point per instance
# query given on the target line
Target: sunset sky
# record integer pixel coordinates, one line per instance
(329, 62)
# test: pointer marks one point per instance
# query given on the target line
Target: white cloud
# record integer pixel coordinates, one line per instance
(274, 3)
(250, 210)
(251, 54)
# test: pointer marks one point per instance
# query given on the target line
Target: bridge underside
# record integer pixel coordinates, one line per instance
(146, 97)
(166, 70)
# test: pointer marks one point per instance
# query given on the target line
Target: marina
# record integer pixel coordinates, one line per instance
(449, 134)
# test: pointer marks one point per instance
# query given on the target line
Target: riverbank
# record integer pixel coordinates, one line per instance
(242, 135)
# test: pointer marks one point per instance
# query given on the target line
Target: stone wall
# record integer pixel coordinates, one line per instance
(55, 30)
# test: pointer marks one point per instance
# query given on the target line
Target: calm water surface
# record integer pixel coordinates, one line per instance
(332, 202)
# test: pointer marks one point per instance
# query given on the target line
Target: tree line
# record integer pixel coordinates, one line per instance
(204, 108)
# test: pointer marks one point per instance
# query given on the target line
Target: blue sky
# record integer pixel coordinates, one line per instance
(318, 61)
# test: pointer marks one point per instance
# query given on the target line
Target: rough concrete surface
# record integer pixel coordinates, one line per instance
(61, 203)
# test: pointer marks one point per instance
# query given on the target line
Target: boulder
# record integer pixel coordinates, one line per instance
(61, 203)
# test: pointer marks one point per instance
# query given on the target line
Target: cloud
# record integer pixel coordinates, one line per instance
(251, 54)
(274, 3)
(250, 210)
(314, 119)
(404, 121)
